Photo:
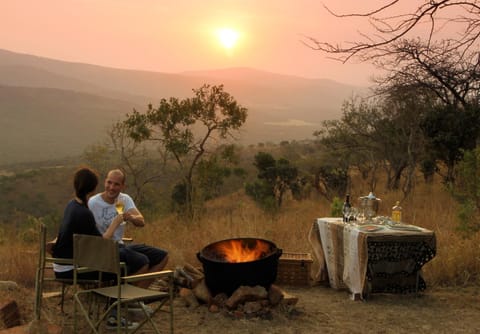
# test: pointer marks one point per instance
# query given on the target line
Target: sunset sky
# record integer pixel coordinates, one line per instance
(182, 35)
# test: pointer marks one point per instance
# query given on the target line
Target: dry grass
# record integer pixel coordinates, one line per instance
(457, 261)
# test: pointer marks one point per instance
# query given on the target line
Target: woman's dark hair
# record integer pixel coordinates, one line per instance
(85, 181)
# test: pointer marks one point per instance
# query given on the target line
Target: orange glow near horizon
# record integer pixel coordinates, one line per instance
(173, 37)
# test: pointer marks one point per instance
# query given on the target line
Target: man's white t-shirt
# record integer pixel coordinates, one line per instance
(105, 212)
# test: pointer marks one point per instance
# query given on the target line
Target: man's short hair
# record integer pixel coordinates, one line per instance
(118, 171)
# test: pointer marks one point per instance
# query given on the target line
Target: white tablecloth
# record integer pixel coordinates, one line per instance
(342, 252)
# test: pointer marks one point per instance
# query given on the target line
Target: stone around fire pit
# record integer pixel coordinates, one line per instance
(245, 302)
(244, 294)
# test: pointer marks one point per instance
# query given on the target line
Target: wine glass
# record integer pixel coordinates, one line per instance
(120, 206)
(353, 215)
(369, 213)
(360, 217)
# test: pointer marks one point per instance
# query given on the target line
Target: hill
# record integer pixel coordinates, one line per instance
(47, 124)
(54, 108)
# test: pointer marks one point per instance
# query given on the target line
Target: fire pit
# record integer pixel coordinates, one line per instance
(230, 263)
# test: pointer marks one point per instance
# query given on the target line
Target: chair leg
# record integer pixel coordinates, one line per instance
(170, 292)
(62, 297)
(148, 318)
(93, 323)
(38, 293)
(39, 277)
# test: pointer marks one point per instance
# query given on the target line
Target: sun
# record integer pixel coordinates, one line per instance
(228, 37)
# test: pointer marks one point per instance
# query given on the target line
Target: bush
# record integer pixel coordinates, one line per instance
(466, 191)
(336, 207)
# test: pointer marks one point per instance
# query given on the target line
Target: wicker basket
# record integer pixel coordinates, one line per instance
(294, 269)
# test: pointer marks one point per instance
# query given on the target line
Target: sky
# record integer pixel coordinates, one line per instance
(177, 36)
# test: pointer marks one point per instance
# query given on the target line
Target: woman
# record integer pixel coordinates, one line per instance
(78, 219)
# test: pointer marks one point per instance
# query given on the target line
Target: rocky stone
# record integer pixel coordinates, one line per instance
(244, 294)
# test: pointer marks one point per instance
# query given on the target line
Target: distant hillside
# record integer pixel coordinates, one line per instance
(43, 123)
(66, 105)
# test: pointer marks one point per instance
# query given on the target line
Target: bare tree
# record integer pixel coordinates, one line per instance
(135, 158)
(452, 77)
(390, 23)
(432, 47)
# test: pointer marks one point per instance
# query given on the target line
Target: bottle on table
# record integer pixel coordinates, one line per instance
(346, 209)
(397, 212)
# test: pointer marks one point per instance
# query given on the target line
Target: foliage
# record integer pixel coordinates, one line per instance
(32, 193)
(261, 192)
(101, 157)
(213, 171)
(331, 181)
(188, 130)
(275, 178)
(179, 195)
(467, 191)
(450, 131)
(428, 167)
(145, 168)
(135, 157)
(375, 133)
(336, 207)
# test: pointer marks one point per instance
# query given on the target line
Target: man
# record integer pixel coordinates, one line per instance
(139, 258)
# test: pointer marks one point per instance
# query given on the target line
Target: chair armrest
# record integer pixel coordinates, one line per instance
(140, 277)
(84, 270)
(49, 246)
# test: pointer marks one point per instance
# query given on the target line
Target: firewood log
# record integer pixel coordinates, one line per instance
(188, 297)
(202, 293)
(194, 272)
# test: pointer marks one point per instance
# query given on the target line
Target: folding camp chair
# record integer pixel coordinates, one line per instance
(102, 254)
(45, 273)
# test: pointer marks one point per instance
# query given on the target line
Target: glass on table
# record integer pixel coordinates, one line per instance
(381, 220)
(351, 215)
(369, 214)
(359, 216)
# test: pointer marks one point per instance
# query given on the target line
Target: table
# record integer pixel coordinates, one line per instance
(371, 258)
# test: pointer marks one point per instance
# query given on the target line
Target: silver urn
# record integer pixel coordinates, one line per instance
(369, 205)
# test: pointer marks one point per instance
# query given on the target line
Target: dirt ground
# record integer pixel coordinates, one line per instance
(320, 309)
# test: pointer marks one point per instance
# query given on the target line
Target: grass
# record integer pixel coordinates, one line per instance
(457, 262)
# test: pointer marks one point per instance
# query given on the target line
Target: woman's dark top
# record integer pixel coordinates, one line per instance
(77, 219)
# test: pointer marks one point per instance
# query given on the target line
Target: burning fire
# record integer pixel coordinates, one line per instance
(241, 251)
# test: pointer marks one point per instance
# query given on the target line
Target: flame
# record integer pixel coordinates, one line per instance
(241, 251)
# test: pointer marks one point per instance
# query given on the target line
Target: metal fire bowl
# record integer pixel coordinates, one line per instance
(225, 277)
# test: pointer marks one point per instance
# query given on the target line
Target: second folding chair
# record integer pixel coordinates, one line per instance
(101, 254)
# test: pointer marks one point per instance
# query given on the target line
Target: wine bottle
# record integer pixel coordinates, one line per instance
(346, 209)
